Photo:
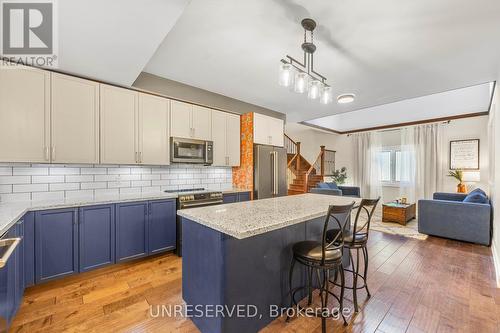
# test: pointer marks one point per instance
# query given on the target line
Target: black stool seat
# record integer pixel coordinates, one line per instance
(348, 237)
(313, 251)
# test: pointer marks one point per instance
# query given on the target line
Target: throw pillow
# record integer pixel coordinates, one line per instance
(333, 186)
(476, 198)
(478, 190)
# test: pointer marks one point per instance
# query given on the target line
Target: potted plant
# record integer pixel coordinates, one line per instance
(458, 175)
(339, 176)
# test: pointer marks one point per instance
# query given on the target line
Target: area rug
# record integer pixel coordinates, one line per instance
(408, 230)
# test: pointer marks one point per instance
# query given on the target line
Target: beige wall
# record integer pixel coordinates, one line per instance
(195, 95)
(311, 139)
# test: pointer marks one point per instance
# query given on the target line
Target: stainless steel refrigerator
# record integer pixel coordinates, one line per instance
(269, 172)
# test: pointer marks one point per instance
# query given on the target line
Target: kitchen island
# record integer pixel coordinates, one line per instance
(237, 257)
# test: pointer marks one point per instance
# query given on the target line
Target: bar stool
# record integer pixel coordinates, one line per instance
(357, 239)
(322, 256)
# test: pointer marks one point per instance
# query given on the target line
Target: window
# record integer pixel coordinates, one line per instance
(394, 166)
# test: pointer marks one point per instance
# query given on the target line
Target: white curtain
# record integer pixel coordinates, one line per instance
(421, 161)
(367, 147)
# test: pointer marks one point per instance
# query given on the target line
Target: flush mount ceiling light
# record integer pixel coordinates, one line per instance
(301, 75)
(345, 98)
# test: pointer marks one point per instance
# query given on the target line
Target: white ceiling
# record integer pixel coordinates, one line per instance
(383, 51)
(475, 99)
(112, 40)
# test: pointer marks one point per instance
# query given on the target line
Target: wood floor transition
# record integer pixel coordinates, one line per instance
(432, 285)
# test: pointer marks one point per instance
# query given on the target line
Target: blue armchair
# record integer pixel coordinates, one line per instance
(333, 189)
(449, 216)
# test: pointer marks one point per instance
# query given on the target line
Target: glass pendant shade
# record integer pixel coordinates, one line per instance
(314, 89)
(326, 95)
(300, 82)
(286, 75)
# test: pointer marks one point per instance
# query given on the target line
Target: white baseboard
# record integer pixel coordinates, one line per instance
(496, 262)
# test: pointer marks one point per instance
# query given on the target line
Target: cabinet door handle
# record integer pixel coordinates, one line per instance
(53, 153)
(136, 158)
(47, 157)
(140, 157)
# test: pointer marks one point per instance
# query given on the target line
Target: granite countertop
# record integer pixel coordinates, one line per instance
(235, 190)
(246, 219)
(11, 212)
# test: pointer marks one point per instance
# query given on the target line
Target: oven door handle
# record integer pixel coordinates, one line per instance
(197, 204)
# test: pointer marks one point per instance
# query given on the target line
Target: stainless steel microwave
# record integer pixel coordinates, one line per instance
(191, 151)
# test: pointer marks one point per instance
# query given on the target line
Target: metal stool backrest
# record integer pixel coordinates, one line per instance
(339, 215)
(367, 206)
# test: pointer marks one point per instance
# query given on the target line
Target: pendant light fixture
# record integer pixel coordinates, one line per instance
(302, 77)
(305, 78)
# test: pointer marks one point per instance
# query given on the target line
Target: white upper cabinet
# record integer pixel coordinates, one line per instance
(74, 120)
(154, 127)
(268, 130)
(24, 114)
(201, 119)
(226, 138)
(190, 121)
(119, 112)
(180, 120)
(219, 138)
(233, 139)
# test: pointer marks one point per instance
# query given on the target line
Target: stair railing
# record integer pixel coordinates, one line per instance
(318, 167)
(293, 147)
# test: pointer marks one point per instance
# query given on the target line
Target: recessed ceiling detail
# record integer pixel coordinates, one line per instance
(455, 103)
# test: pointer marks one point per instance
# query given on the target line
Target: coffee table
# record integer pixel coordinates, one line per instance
(398, 212)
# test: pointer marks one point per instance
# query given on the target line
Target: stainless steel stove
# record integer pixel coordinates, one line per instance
(193, 198)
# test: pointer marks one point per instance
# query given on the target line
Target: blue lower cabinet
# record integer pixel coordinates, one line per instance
(96, 232)
(56, 244)
(29, 249)
(19, 257)
(243, 196)
(162, 226)
(131, 230)
(230, 197)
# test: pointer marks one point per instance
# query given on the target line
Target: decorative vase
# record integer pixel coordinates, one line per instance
(461, 188)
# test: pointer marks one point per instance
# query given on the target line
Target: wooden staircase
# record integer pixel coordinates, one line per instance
(304, 175)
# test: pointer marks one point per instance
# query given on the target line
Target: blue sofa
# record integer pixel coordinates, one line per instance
(334, 189)
(457, 216)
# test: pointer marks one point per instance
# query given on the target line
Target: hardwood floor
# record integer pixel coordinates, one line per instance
(434, 285)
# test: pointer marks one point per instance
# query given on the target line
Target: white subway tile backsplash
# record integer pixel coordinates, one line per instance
(5, 188)
(47, 196)
(47, 179)
(15, 197)
(28, 171)
(15, 179)
(79, 194)
(22, 181)
(79, 178)
(93, 186)
(64, 171)
(150, 177)
(140, 183)
(118, 184)
(93, 171)
(130, 190)
(106, 178)
(30, 188)
(64, 186)
(5, 171)
(118, 171)
(106, 192)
